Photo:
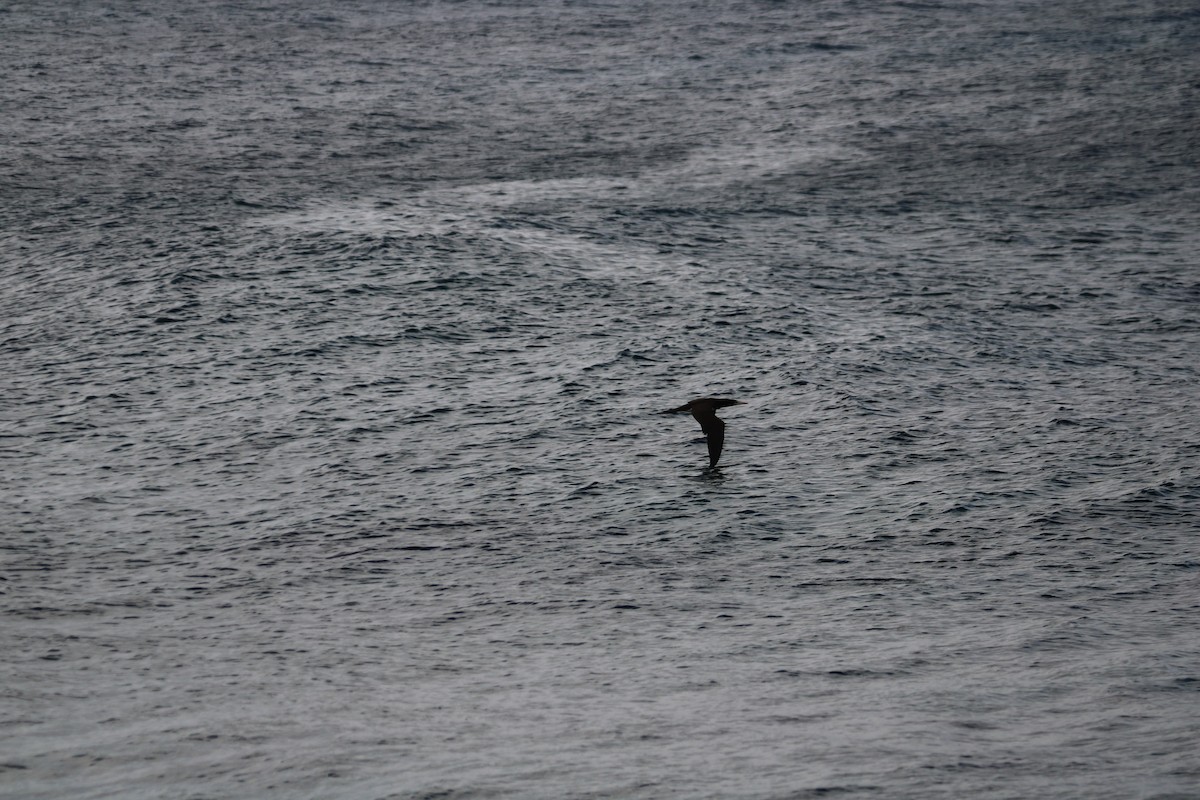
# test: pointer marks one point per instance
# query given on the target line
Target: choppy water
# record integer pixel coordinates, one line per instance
(333, 337)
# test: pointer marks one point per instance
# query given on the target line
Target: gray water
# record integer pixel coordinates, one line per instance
(334, 338)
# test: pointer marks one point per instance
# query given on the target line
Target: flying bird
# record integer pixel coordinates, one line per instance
(704, 409)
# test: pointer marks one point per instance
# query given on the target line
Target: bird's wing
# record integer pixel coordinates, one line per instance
(714, 430)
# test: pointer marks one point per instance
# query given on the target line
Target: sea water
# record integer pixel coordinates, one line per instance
(334, 338)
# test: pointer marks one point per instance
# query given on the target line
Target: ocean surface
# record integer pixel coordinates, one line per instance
(334, 337)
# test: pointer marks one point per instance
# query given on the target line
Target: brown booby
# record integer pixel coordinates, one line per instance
(704, 409)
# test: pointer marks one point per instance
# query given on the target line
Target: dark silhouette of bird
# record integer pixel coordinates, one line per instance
(704, 409)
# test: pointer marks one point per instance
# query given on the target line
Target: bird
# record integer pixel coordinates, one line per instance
(704, 409)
